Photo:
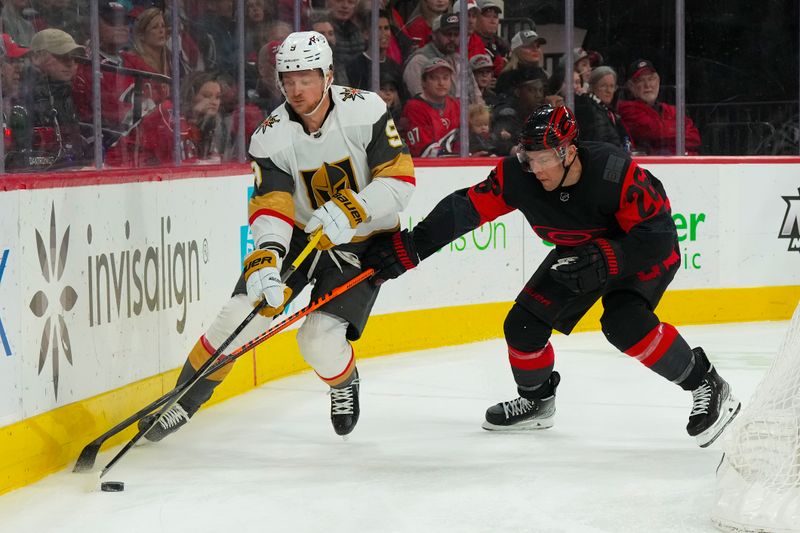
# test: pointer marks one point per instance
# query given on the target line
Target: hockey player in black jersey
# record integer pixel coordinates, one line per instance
(615, 240)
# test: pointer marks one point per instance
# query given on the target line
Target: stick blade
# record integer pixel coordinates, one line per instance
(87, 458)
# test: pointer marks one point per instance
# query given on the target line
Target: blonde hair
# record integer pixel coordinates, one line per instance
(144, 20)
(475, 111)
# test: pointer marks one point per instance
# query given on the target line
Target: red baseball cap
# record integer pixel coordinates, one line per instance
(13, 50)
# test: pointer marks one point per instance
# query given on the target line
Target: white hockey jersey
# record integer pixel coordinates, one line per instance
(357, 147)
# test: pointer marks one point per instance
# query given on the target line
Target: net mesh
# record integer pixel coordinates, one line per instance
(758, 481)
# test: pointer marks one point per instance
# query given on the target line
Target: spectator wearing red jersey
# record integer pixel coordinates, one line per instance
(650, 122)
(444, 46)
(432, 117)
(475, 44)
(420, 24)
(116, 90)
(486, 26)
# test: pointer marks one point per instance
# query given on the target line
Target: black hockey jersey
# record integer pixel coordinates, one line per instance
(614, 199)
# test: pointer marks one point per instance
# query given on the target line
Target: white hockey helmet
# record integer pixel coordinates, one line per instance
(304, 50)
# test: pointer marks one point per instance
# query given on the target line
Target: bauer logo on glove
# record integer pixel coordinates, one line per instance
(586, 268)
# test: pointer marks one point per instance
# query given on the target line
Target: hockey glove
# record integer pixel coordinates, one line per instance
(587, 268)
(338, 218)
(390, 254)
(263, 279)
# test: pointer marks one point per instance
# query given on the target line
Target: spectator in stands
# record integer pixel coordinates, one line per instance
(390, 92)
(475, 44)
(420, 24)
(525, 52)
(594, 110)
(432, 118)
(583, 67)
(487, 25)
(349, 37)
(278, 30)
(217, 36)
(483, 70)
(118, 92)
(12, 59)
(202, 133)
(359, 69)
(509, 115)
(150, 45)
(266, 94)
(47, 97)
(650, 122)
(481, 139)
(61, 14)
(255, 28)
(443, 45)
(14, 22)
(321, 22)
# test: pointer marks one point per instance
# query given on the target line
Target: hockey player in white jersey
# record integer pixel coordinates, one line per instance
(329, 157)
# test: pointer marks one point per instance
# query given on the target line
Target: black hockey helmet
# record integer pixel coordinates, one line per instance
(548, 128)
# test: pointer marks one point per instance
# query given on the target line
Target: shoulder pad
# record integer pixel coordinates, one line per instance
(271, 135)
(357, 106)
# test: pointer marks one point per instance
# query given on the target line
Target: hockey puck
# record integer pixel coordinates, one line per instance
(112, 486)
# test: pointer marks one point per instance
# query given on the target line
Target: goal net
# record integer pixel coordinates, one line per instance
(758, 480)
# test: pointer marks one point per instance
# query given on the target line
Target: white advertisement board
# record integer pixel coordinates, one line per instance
(104, 285)
(122, 279)
(10, 306)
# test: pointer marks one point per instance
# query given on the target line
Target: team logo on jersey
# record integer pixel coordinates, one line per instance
(268, 123)
(790, 229)
(323, 182)
(349, 93)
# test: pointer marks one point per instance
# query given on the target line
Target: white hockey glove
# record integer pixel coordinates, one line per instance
(338, 218)
(263, 279)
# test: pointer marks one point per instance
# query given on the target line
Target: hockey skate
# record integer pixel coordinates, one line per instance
(525, 413)
(713, 405)
(344, 407)
(172, 420)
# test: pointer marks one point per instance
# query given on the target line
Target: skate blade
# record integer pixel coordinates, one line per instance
(525, 425)
(729, 410)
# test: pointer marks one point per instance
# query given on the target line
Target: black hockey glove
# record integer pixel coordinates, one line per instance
(587, 268)
(390, 254)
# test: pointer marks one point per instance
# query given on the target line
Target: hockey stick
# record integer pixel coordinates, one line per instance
(89, 453)
(226, 359)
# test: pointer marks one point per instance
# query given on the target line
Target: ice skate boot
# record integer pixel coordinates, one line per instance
(525, 413)
(713, 405)
(344, 407)
(171, 422)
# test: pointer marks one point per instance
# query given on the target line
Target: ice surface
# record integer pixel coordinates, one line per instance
(618, 459)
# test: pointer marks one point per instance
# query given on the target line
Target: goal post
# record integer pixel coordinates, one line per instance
(758, 479)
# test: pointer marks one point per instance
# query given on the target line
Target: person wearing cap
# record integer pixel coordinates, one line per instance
(443, 45)
(486, 26)
(431, 118)
(47, 96)
(419, 24)
(475, 44)
(525, 52)
(483, 70)
(526, 93)
(12, 60)
(652, 123)
(390, 91)
(359, 69)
